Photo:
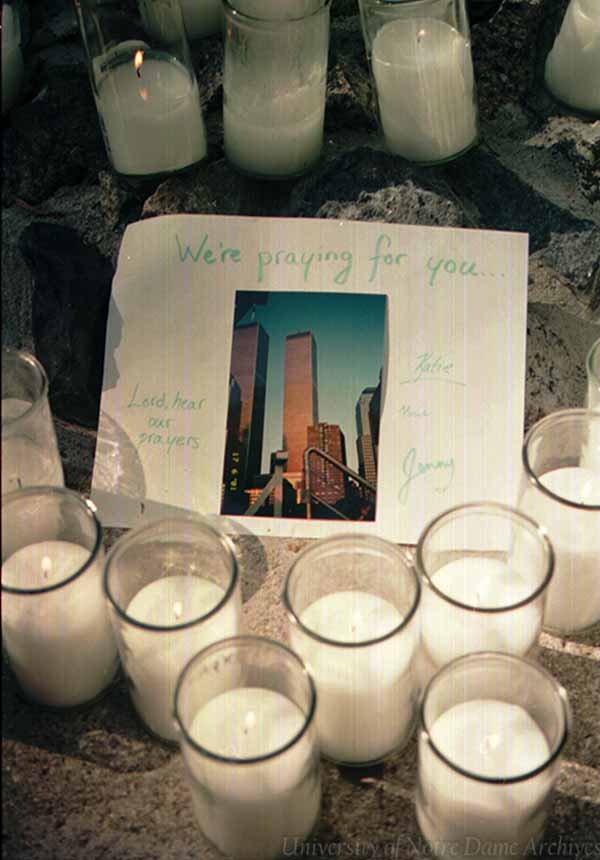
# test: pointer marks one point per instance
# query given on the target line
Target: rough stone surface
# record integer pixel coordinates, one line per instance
(91, 783)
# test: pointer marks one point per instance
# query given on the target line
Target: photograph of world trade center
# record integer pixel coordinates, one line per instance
(304, 405)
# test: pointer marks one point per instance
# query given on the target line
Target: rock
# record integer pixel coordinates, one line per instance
(407, 204)
(55, 139)
(557, 345)
(367, 184)
(17, 290)
(349, 94)
(504, 54)
(69, 311)
(210, 187)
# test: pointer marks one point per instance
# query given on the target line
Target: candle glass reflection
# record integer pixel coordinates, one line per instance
(491, 734)
(274, 78)
(172, 588)
(572, 69)
(55, 627)
(144, 85)
(560, 489)
(419, 52)
(29, 450)
(245, 709)
(485, 569)
(592, 366)
(352, 605)
(13, 68)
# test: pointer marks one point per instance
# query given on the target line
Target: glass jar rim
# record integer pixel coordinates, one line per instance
(593, 352)
(243, 640)
(500, 510)
(559, 417)
(91, 512)
(29, 359)
(124, 543)
(229, 8)
(559, 690)
(365, 541)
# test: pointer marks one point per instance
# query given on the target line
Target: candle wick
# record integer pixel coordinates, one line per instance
(490, 743)
(46, 566)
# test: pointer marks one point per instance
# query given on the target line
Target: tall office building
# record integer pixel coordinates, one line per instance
(327, 481)
(367, 467)
(249, 353)
(300, 404)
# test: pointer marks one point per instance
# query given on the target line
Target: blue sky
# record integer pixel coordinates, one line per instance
(349, 333)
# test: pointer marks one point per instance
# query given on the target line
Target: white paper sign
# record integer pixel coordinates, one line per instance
(232, 339)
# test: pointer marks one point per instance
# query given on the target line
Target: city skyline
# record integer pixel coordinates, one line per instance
(348, 330)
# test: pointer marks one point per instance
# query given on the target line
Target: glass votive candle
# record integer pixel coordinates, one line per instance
(560, 489)
(245, 709)
(592, 367)
(274, 79)
(55, 627)
(13, 68)
(352, 604)
(144, 85)
(485, 570)
(172, 588)
(29, 449)
(419, 52)
(572, 70)
(492, 731)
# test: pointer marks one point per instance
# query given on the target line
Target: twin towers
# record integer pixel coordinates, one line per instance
(301, 427)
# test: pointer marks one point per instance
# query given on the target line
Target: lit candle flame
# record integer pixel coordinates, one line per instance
(137, 61)
(249, 721)
(178, 609)
(356, 620)
(46, 566)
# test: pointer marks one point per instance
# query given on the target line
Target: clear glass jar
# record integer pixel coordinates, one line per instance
(274, 80)
(492, 731)
(560, 489)
(172, 588)
(353, 617)
(29, 450)
(485, 569)
(13, 68)
(572, 69)
(245, 708)
(55, 627)
(419, 52)
(144, 85)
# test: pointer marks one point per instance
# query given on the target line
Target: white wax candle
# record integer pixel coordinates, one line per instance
(450, 631)
(59, 642)
(24, 463)
(489, 738)
(274, 135)
(425, 89)
(248, 810)
(151, 116)
(574, 594)
(153, 660)
(572, 69)
(366, 695)
(13, 70)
